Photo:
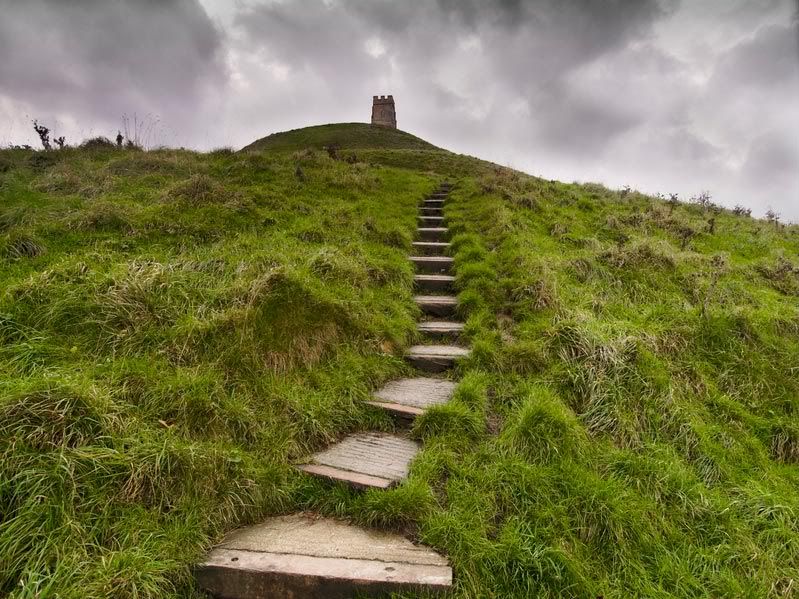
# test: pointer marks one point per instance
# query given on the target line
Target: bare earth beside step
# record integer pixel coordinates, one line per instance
(301, 556)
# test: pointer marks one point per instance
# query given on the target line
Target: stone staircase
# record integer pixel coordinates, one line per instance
(307, 556)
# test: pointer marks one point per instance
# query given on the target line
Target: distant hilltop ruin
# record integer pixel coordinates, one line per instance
(383, 112)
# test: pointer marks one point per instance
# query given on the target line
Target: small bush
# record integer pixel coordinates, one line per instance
(40, 161)
(97, 143)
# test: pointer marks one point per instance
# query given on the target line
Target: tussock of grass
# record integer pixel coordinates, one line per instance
(543, 429)
(18, 245)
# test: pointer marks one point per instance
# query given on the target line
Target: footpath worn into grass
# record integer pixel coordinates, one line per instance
(176, 329)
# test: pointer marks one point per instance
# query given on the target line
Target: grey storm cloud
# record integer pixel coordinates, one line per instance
(663, 95)
(96, 60)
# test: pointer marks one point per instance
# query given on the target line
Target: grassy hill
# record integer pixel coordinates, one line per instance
(176, 329)
(347, 136)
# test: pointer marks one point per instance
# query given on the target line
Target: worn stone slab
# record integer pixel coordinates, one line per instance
(431, 211)
(432, 264)
(365, 460)
(295, 556)
(430, 221)
(411, 397)
(432, 203)
(432, 233)
(430, 248)
(437, 305)
(435, 358)
(427, 282)
(441, 328)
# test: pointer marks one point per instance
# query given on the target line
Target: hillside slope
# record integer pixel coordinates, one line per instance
(177, 329)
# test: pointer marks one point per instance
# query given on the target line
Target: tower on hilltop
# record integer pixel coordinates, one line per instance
(383, 112)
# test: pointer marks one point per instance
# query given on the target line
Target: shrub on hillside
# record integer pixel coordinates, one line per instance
(97, 143)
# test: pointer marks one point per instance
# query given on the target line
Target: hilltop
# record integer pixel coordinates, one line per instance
(348, 136)
(177, 329)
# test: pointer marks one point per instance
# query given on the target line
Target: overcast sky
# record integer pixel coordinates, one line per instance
(662, 95)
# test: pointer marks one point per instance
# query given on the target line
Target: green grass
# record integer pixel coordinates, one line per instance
(177, 328)
(345, 136)
(641, 400)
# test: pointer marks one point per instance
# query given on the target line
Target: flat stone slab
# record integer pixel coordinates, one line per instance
(295, 556)
(432, 233)
(439, 350)
(432, 264)
(430, 203)
(431, 211)
(441, 327)
(437, 305)
(431, 221)
(435, 358)
(431, 248)
(427, 282)
(365, 460)
(411, 397)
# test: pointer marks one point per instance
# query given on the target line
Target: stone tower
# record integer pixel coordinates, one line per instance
(383, 112)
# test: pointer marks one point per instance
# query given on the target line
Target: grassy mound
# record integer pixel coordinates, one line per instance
(346, 136)
(177, 328)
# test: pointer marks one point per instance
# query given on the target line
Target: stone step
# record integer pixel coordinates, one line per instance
(303, 555)
(365, 460)
(430, 248)
(441, 329)
(437, 305)
(433, 204)
(407, 398)
(433, 282)
(432, 264)
(428, 211)
(435, 358)
(430, 221)
(432, 233)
